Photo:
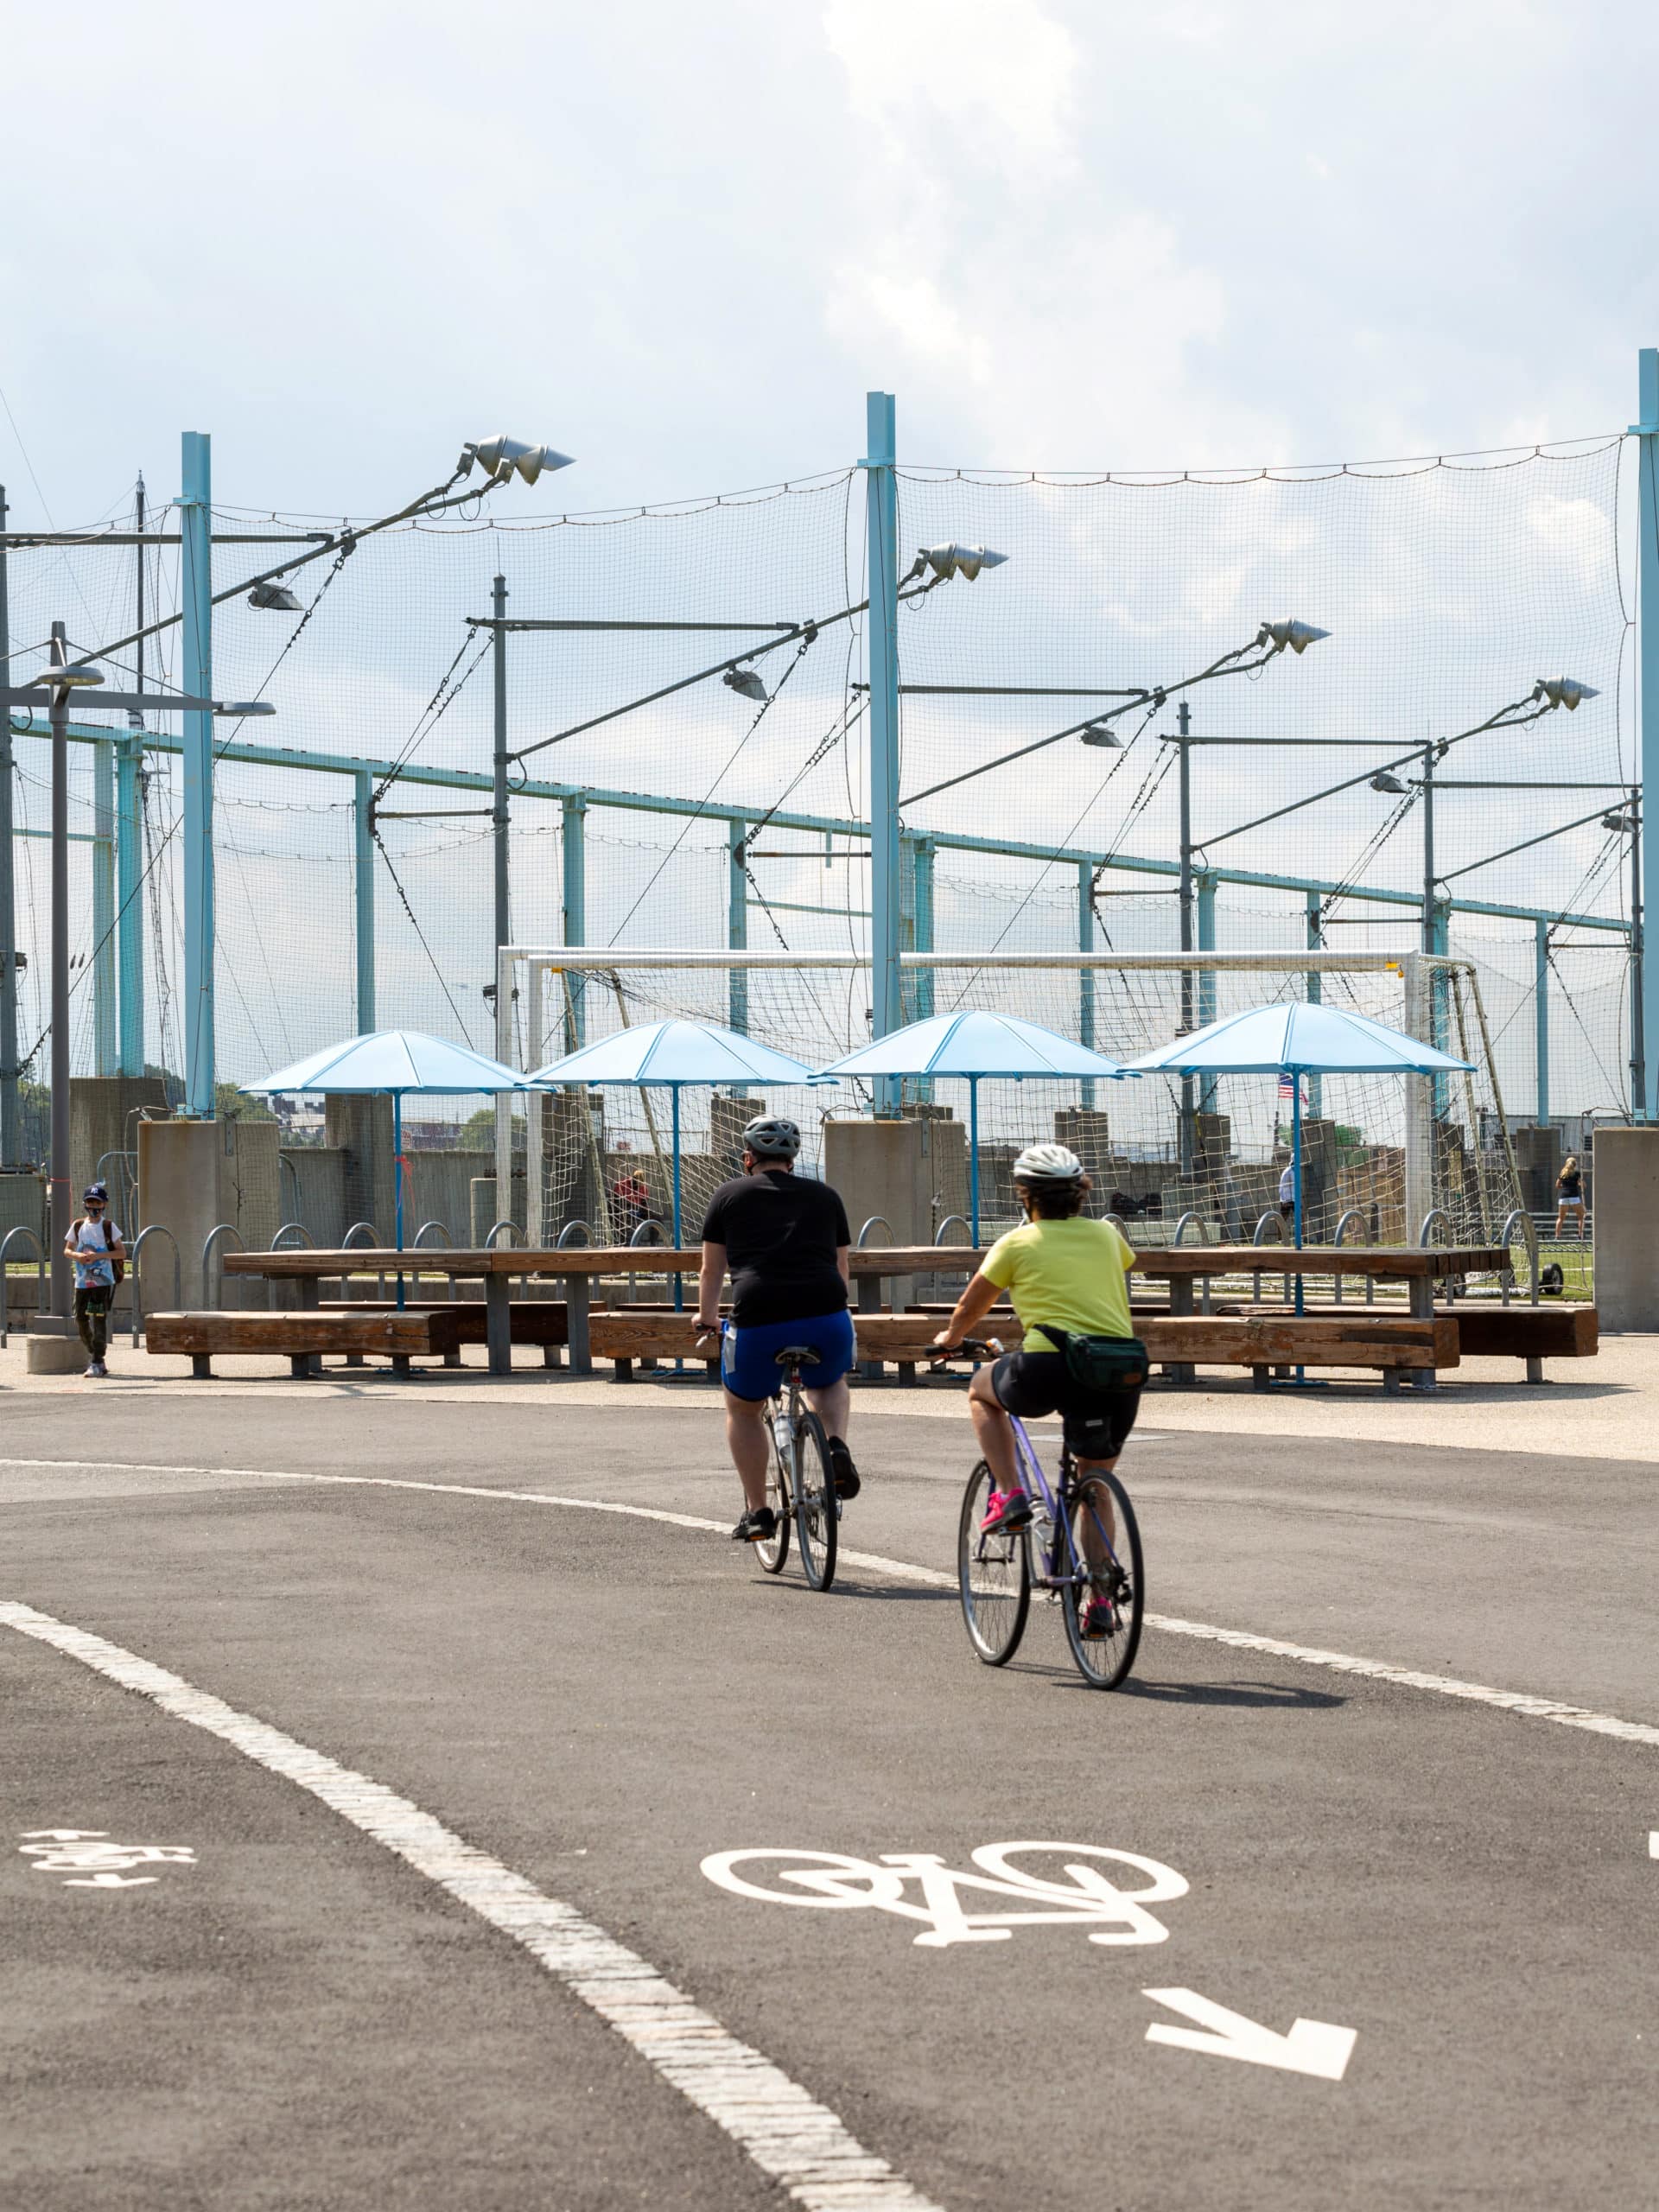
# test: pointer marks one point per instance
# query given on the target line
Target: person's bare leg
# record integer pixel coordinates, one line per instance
(833, 1406)
(750, 1445)
(992, 1431)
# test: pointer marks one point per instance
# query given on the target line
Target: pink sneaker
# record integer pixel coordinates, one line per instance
(1009, 1509)
(1099, 1618)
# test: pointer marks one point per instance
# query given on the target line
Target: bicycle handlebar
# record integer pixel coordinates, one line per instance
(969, 1348)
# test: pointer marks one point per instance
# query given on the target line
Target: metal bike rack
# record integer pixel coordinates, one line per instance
(875, 1218)
(568, 1239)
(1188, 1216)
(1278, 1224)
(367, 1228)
(1354, 1213)
(135, 1251)
(1439, 1214)
(212, 1292)
(1530, 1238)
(443, 1230)
(21, 1230)
(512, 1229)
(296, 1227)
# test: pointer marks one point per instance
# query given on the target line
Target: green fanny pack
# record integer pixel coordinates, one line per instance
(1102, 1364)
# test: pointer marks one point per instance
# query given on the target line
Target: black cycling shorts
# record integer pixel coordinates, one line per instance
(1095, 1423)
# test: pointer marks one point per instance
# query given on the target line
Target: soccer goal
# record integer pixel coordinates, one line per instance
(1388, 1160)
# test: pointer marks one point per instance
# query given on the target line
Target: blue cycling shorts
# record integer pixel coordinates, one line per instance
(748, 1356)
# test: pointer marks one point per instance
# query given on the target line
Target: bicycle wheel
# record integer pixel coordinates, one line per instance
(1103, 1660)
(817, 1516)
(992, 1575)
(772, 1555)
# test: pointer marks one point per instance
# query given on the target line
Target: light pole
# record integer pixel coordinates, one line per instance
(61, 679)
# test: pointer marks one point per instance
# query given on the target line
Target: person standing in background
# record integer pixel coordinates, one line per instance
(94, 1244)
(1569, 1196)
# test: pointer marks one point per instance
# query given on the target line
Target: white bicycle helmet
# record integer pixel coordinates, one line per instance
(1047, 1163)
(772, 1137)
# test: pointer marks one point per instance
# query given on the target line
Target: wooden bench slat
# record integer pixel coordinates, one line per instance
(400, 1333)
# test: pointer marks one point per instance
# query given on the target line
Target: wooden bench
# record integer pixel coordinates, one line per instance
(542, 1321)
(1260, 1342)
(304, 1335)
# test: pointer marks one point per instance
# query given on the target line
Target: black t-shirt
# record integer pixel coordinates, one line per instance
(781, 1232)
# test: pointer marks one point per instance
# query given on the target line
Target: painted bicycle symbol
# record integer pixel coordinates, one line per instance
(1067, 1887)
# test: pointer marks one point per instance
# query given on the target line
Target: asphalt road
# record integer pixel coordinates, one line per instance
(602, 1703)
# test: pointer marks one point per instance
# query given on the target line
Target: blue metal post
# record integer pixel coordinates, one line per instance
(1206, 884)
(574, 852)
(973, 1157)
(882, 655)
(129, 897)
(1086, 976)
(1315, 986)
(1541, 1017)
(737, 924)
(196, 675)
(363, 884)
(674, 1093)
(1296, 1177)
(1646, 429)
(104, 1044)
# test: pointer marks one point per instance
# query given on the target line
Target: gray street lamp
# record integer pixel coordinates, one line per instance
(54, 686)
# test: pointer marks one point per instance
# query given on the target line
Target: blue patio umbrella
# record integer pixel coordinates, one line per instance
(973, 1045)
(676, 1055)
(1297, 1037)
(389, 1062)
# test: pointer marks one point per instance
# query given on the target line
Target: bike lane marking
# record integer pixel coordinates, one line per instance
(799, 2142)
(1524, 1703)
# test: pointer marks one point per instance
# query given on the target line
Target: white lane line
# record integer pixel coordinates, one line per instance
(800, 2142)
(1522, 1702)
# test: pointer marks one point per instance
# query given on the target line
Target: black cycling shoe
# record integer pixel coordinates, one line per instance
(757, 1527)
(842, 1467)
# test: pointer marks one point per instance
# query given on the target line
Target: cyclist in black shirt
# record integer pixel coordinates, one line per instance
(786, 1243)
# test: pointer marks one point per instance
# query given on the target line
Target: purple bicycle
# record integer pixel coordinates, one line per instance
(1078, 1542)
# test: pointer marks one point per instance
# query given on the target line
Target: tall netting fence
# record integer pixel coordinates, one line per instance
(654, 803)
(604, 1157)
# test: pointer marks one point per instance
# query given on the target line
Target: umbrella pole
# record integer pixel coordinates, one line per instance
(973, 1155)
(1296, 1177)
(679, 1282)
(397, 1172)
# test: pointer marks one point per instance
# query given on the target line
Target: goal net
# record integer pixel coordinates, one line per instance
(1387, 1159)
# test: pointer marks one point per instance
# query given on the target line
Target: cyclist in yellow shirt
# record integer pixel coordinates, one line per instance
(1067, 1275)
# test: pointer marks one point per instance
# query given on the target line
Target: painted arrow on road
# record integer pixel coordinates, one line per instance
(66, 1835)
(1312, 2046)
(105, 1881)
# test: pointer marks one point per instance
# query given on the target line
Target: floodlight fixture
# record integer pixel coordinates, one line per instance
(239, 708)
(500, 456)
(746, 684)
(1099, 733)
(1564, 691)
(948, 561)
(275, 597)
(1299, 636)
(1383, 781)
(1619, 821)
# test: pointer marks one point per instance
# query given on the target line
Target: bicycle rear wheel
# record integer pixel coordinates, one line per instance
(992, 1575)
(1104, 1661)
(771, 1555)
(817, 1516)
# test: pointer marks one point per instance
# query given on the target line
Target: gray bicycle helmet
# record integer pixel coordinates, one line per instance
(771, 1138)
(1047, 1163)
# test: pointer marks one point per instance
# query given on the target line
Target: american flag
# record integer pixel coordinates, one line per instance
(1287, 1090)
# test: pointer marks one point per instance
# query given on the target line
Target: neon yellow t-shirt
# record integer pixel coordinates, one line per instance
(1072, 1273)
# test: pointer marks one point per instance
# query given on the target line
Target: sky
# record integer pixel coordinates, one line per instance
(682, 244)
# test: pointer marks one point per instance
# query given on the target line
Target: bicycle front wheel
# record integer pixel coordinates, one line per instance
(817, 1516)
(1104, 1661)
(993, 1576)
(772, 1554)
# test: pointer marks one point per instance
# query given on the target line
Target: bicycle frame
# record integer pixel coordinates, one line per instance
(1062, 1563)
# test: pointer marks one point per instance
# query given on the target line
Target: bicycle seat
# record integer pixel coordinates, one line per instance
(804, 1352)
